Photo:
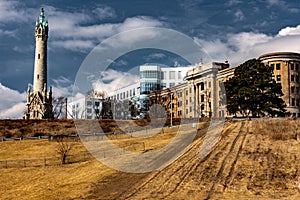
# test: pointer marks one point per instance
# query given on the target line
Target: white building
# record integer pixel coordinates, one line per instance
(130, 101)
(90, 106)
(152, 77)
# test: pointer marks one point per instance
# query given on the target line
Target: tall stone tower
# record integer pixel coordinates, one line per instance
(39, 101)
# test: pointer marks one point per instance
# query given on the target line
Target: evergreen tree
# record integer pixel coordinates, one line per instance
(253, 92)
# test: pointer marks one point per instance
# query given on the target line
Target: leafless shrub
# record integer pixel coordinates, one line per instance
(63, 148)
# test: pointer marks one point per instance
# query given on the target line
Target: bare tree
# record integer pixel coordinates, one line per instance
(64, 146)
(59, 106)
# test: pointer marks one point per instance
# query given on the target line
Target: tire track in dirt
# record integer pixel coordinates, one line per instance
(196, 167)
(173, 176)
(230, 176)
(226, 160)
(162, 173)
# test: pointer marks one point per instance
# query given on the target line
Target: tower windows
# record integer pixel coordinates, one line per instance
(39, 56)
(38, 76)
(293, 101)
(278, 77)
(293, 89)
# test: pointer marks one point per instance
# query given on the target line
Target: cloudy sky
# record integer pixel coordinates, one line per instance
(232, 30)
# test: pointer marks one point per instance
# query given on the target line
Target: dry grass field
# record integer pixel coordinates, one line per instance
(257, 159)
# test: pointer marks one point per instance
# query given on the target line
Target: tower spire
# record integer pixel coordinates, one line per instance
(39, 103)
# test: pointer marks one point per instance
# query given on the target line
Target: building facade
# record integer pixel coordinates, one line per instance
(199, 91)
(286, 71)
(39, 100)
(132, 101)
(92, 105)
(198, 96)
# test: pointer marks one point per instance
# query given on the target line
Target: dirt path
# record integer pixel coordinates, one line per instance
(185, 178)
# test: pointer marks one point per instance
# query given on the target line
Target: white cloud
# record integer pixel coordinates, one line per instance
(104, 12)
(239, 47)
(290, 31)
(13, 11)
(69, 30)
(111, 80)
(239, 16)
(69, 33)
(155, 56)
(7, 32)
(74, 45)
(62, 87)
(12, 102)
(233, 2)
(276, 3)
(282, 5)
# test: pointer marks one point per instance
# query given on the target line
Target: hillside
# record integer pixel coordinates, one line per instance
(253, 160)
(256, 159)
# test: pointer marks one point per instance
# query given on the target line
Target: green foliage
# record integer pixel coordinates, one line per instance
(253, 92)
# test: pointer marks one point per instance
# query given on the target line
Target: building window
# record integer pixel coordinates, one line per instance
(292, 78)
(186, 111)
(150, 74)
(172, 75)
(190, 90)
(293, 101)
(89, 110)
(202, 86)
(186, 102)
(179, 94)
(191, 99)
(39, 56)
(179, 103)
(191, 109)
(209, 84)
(202, 107)
(38, 76)
(272, 67)
(89, 103)
(179, 75)
(292, 66)
(278, 66)
(202, 98)
(172, 84)
(278, 77)
(293, 89)
(186, 92)
(179, 113)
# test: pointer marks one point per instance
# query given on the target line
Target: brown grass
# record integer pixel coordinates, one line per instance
(256, 159)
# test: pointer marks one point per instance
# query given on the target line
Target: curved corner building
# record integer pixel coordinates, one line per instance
(286, 70)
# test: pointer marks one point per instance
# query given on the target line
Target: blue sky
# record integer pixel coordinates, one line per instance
(232, 30)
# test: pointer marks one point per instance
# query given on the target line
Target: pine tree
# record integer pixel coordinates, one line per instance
(252, 92)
